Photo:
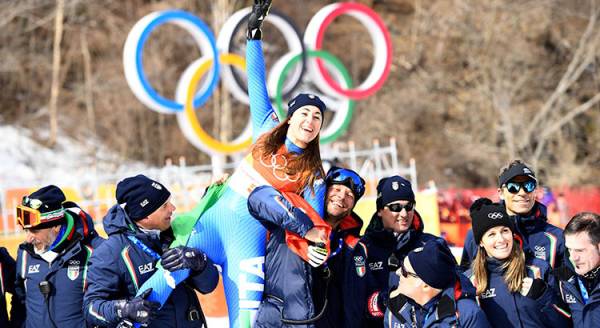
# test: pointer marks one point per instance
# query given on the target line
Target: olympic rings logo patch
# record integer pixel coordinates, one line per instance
(278, 165)
(495, 215)
(323, 69)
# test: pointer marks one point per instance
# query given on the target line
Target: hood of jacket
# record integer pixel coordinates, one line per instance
(117, 221)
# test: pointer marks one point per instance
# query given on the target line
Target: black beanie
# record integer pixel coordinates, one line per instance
(305, 99)
(486, 215)
(48, 200)
(141, 196)
(515, 171)
(434, 264)
(392, 189)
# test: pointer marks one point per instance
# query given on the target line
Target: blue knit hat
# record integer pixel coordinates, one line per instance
(141, 196)
(48, 200)
(434, 264)
(392, 189)
(305, 99)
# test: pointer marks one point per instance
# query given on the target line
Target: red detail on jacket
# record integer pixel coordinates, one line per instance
(297, 244)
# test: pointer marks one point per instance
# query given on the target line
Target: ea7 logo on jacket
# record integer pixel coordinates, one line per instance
(570, 299)
(34, 268)
(489, 293)
(376, 266)
(145, 268)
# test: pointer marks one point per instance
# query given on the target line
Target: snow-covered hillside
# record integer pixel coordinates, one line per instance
(25, 162)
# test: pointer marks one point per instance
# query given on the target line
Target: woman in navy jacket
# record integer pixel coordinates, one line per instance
(514, 290)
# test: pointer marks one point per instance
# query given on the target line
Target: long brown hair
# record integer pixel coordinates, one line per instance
(303, 164)
(513, 276)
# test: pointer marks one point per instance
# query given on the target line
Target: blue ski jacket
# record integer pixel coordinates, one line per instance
(380, 244)
(343, 288)
(506, 309)
(453, 307)
(67, 278)
(584, 310)
(538, 239)
(120, 266)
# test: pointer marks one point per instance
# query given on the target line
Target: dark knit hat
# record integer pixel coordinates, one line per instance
(486, 215)
(434, 264)
(305, 99)
(141, 196)
(392, 189)
(48, 200)
(514, 171)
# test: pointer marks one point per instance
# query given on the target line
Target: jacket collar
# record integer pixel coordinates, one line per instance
(68, 249)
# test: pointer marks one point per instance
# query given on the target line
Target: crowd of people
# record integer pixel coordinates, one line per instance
(517, 270)
(520, 271)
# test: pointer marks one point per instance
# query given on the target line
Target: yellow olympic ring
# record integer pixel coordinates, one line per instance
(223, 147)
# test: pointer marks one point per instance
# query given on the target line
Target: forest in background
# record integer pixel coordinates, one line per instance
(473, 83)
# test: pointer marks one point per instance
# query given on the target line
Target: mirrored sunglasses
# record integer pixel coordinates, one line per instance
(515, 187)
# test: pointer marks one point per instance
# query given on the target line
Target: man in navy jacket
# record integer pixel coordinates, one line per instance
(581, 289)
(341, 287)
(516, 188)
(431, 294)
(139, 229)
(395, 230)
(52, 263)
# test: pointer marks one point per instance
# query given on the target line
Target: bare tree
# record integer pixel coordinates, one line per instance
(56, 57)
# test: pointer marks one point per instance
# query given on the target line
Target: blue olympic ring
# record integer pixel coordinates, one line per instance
(164, 17)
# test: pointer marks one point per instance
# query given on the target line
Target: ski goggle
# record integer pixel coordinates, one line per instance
(29, 218)
(348, 178)
(515, 187)
(396, 207)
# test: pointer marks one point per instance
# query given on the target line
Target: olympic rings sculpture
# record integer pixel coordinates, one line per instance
(304, 57)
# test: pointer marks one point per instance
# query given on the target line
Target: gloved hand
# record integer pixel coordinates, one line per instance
(260, 10)
(317, 254)
(137, 309)
(182, 257)
(533, 288)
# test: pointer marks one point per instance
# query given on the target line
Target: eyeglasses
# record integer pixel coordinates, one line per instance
(396, 207)
(349, 178)
(515, 187)
(28, 217)
(405, 273)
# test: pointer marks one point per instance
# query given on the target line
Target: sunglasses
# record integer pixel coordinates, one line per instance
(515, 187)
(28, 217)
(396, 207)
(349, 178)
(405, 273)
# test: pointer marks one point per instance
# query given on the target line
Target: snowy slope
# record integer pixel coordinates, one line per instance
(25, 162)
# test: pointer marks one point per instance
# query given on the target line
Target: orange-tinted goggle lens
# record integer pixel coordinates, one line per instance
(28, 217)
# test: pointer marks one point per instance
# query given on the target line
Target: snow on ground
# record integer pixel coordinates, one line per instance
(25, 162)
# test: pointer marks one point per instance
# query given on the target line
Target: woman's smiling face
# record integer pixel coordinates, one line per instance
(305, 125)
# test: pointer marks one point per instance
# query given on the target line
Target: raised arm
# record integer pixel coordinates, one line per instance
(262, 114)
